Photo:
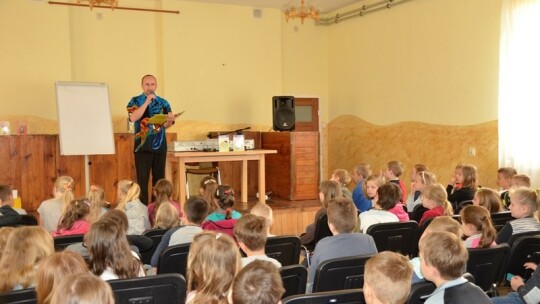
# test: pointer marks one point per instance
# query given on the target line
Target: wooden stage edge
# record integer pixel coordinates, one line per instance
(290, 217)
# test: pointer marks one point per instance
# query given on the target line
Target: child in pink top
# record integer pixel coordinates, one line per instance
(73, 220)
(163, 193)
(435, 199)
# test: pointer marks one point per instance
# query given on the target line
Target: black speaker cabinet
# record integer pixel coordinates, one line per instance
(283, 113)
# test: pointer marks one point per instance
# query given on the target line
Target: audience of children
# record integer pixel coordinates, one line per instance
(53, 269)
(388, 195)
(213, 262)
(129, 202)
(524, 205)
(166, 216)
(421, 181)
(8, 215)
(207, 189)
(98, 204)
(523, 292)
(342, 218)
(327, 191)
(262, 209)
(394, 169)
(82, 289)
(51, 209)
(477, 226)
(24, 251)
(259, 282)
(434, 198)
(343, 178)
(504, 182)
(443, 258)
(74, 220)
(251, 233)
(466, 178)
(359, 174)
(387, 278)
(224, 201)
(163, 193)
(489, 199)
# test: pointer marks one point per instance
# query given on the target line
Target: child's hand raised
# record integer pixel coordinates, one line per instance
(530, 265)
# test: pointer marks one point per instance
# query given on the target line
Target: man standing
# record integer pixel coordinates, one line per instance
(150, 141)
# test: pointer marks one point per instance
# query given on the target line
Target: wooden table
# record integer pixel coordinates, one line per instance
(181, 158)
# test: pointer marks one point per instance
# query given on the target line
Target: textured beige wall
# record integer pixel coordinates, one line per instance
(352, 140)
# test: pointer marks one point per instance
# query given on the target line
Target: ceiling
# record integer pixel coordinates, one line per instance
(324, 6)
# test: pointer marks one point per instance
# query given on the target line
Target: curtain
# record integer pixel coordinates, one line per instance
(519, 88)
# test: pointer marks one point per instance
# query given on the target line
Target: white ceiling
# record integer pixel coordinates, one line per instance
(324, 6)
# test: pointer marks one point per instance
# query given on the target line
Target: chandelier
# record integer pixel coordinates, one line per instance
(302, 12)
(92, 3)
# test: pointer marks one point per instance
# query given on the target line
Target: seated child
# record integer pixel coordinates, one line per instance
(359, 175)
(466, 179)
(213, 262)
(443, 258)
(166, 216)
(207, 189)
(196, 210)
(265, 211)
(394, 169)
(327, 191)
(477, 226)
(342, 219)
(523, 292)
(73, 220)
(373, 182)
(163, 193)
(51, 209)
(343, 178)
(82, 288)
(434, 198)
(421, 181)
(387, 278)
(415, 193)
(251, 232)
(259, 282)
(388, 196)
(524, 205)
(224, 201)
(136, 211)
(504, 181)
(489, 199)
(8, 215)
(521, 180)
(98, 205)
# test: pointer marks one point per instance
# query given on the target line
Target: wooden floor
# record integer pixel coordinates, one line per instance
(290, 217)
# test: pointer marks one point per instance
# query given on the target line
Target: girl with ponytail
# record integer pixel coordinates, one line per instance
(477, 226)
(51, 209)
(131, 205)
(435, 199)
(224, 200)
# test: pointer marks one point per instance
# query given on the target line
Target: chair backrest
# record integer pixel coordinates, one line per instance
(24, 296)
(61, 242)
(155, 235)
(461, 205)
(224, 226)
(340, 273)
(321, 229)
(28, 220)
(350, 296)
(424, 226)
(294, 279)
(516, 236)
(163, 288)
(500, 219)
(485, 263)
(397, 237)
(174, 259)
(418, 291)
(525, 249)
(417, 212)
(285, 249)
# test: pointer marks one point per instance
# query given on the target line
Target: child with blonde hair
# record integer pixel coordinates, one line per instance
(387, 279)
(25, 249)
(131, 205)
(476, 225)
(394, 169)
(421, 181)
(489, 199)
(73, 220)
(504, 181)
(434, 198)
(524, 205)
(98, 204)
(373, 182)
(213, 262)
(51, 209)
(251, 234)
(224, 201)
(166, 216)
(343, 178)
(359, 175)
(521, 180)
(262, 209)
(53, 269)
(163, 193)
(467, 179)
(207, 189)
(82, 289)
(415, 194)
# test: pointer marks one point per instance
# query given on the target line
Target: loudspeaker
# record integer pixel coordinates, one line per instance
(283, 113)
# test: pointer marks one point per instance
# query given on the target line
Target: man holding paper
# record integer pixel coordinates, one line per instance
(151, 115)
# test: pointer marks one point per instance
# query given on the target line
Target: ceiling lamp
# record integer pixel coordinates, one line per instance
(302, 12)
(92, 3)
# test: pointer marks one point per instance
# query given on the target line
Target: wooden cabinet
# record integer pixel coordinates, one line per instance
(292, 173)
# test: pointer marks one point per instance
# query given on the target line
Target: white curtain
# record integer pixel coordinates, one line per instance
(519, 88)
